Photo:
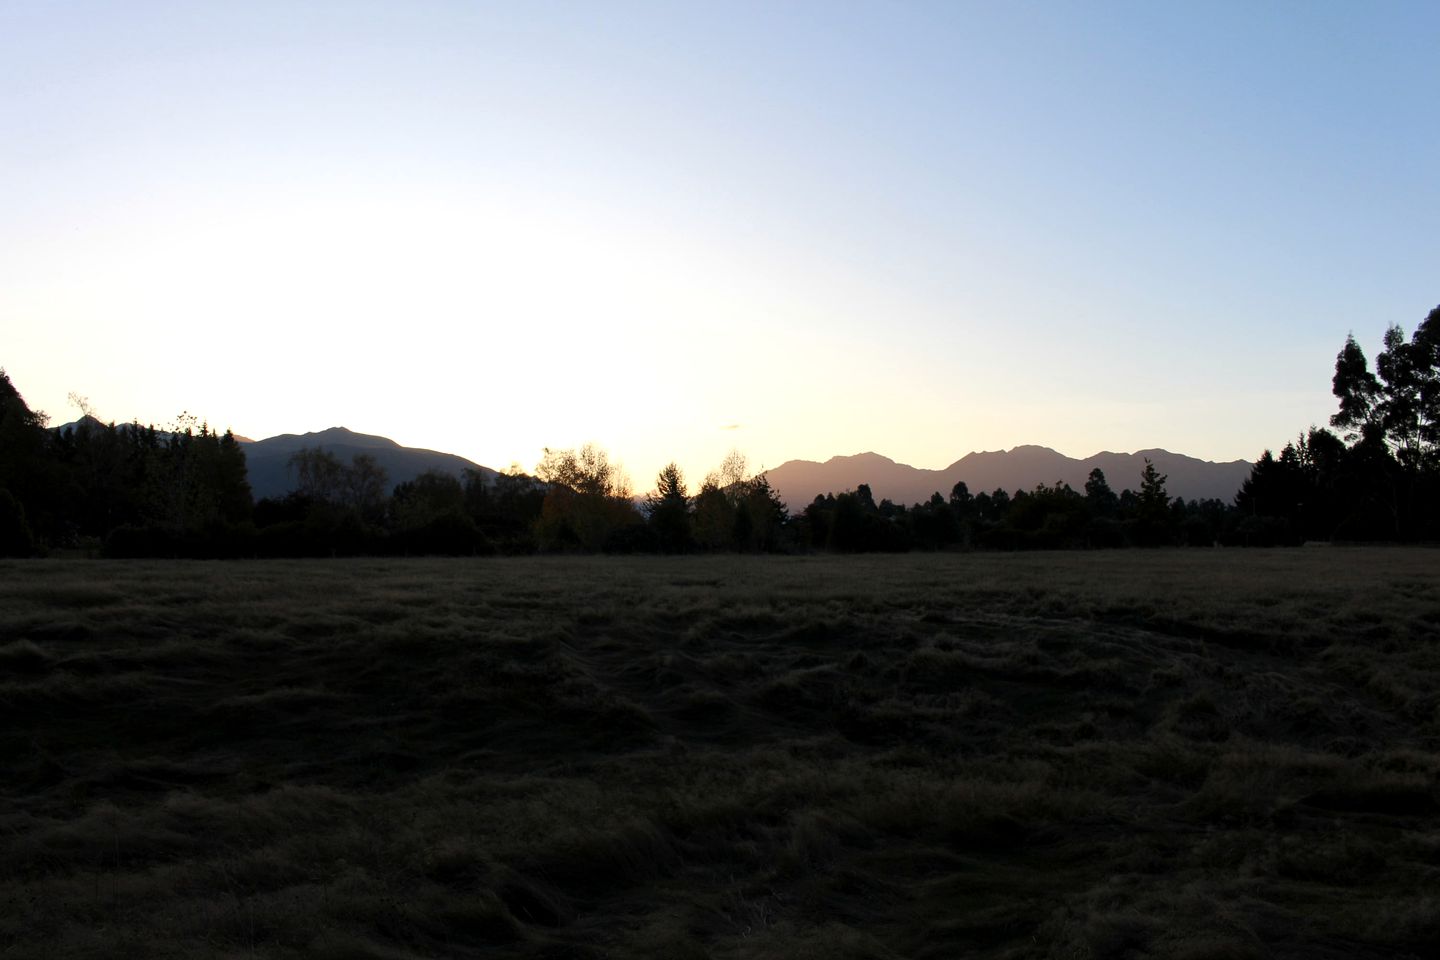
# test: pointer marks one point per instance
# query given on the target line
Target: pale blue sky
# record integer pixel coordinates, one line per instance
(918, 229)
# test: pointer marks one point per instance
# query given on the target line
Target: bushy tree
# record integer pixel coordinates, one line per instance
(713, 519)
(1099, 498)
(1318, 489)
(319, 474)
(1048, 517)
(363, 486)
(588, 503)
(505, 507)
(851, 522)
(428, 516)
(764, 514)
(1356, 387)
(337, 508)
(432, 494)
(736, 511)
(934, 523)
(585, 471)
(1402, 403)
(1390, 475)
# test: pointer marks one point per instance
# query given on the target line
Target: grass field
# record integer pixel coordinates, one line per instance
(1208, 754)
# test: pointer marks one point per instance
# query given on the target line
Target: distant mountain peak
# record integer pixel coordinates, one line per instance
(338, 436)
(86, 420)
(868, 456)
(348, 436)
(268, 460)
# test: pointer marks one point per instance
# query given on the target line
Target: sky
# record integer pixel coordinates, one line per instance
(794, 229)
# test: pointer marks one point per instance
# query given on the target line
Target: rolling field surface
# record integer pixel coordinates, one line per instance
(1209, 754)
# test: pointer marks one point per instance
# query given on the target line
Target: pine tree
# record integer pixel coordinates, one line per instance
(1154, 501)
(669, 510)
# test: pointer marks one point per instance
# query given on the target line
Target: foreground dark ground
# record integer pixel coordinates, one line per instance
(1211, 754)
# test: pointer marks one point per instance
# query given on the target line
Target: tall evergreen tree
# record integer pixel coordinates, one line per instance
(669, 511)
(1154, 501)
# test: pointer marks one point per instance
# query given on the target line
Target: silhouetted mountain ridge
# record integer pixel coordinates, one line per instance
(332, 436)
(1020, 468)
(268, 460)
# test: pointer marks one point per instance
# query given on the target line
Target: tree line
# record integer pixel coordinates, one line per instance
(94, 483)
(132, 490)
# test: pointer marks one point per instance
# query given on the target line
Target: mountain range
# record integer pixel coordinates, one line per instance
(796, 481)
(1022, 468)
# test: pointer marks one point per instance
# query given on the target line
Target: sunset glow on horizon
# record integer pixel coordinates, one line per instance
(794, 230)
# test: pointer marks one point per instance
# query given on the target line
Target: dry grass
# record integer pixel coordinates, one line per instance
(1205, 755)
